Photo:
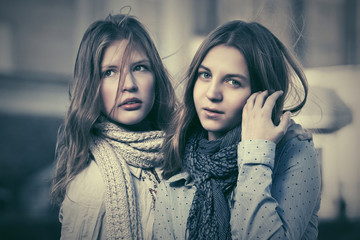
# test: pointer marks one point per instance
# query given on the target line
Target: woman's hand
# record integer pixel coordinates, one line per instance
(256, 118)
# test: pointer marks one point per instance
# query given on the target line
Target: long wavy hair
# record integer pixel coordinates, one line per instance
(272, 66)
(72, 150)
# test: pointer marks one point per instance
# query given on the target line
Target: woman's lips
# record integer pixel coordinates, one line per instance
(131, 104)
(213, 113)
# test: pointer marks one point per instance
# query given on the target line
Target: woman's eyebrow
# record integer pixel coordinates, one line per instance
(142, 61)
(109, 67)
(207, 69)
(236, 76)
(112, 66)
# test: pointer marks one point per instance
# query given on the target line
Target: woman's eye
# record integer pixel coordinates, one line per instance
(140, 68)
(233, 82)
(204, 75)
(108, 73)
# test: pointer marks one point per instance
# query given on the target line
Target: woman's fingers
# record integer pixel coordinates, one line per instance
(260, 98)
(251, 100)
(284, 123)
(271, 101)
(257, 122)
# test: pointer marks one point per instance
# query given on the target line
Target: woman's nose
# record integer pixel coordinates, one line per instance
(214, 92)
(129, 84)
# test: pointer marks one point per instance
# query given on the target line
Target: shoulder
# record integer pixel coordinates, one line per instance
(297, 153)
(88, 186)
(297, 146)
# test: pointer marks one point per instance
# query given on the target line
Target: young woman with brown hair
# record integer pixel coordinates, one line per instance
(236, 165)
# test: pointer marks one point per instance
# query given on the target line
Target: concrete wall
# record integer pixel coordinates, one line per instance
(41, 34)
(337, 115)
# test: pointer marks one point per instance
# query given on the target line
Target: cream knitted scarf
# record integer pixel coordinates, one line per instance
(113, 148)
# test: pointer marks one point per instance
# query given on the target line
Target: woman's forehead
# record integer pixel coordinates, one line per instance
(121, 50)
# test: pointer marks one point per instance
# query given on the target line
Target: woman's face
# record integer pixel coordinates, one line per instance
(221, 90)
(136, 92)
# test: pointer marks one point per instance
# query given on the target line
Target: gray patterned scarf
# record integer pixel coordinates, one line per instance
(113, 149)
(214, 169)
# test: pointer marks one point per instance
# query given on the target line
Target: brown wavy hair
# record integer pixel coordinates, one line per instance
(271, 67)
(72, 150)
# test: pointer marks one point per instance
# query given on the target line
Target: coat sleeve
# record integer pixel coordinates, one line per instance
(276, 203)
(82, 213)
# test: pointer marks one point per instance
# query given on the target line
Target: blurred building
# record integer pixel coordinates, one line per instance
(38, 45)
